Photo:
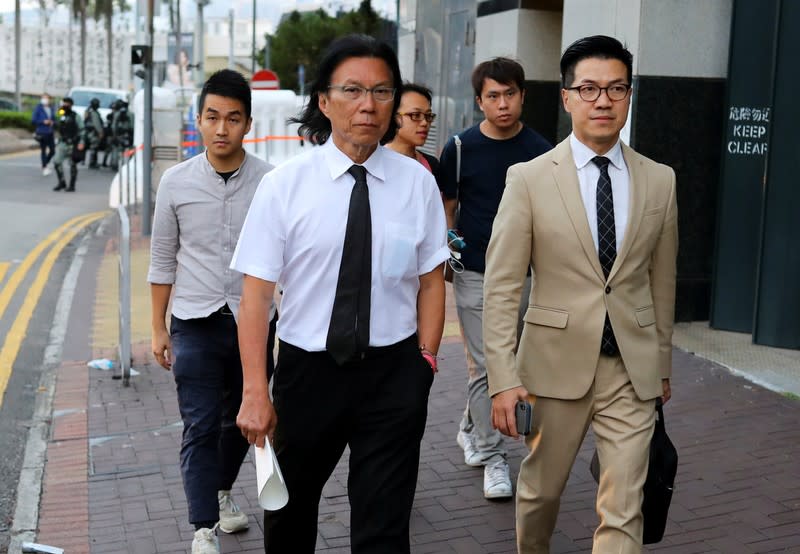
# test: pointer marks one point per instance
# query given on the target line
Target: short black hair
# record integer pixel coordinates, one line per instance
(314, 125)
(502, 70)
(597, 46)
(67, 100)
(422, 90)
(230, 84)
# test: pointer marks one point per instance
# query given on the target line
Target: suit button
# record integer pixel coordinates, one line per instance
(608, 290)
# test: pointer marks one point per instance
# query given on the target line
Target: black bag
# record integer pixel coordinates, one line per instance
(78, 155)
(660, 480)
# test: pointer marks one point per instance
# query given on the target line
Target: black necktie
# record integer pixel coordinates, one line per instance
(349, 328)
(606, 242)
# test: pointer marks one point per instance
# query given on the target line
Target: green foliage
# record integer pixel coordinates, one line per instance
(301, 38)
(17, 120)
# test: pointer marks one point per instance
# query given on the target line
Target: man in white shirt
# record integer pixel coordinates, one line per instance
(597, 222)
(355, 235)
(200, 208)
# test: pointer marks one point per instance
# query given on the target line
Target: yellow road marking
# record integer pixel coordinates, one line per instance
(16, 334)
(20, 154)
(19, 274)
(3, 269)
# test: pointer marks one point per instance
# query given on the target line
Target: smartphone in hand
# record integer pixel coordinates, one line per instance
(524, 415)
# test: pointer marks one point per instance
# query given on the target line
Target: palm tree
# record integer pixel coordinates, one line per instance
(105, 9)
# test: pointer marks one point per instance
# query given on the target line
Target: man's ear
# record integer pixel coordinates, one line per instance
(322, 103)
(565, 99)
(249, 123)
(478, 101)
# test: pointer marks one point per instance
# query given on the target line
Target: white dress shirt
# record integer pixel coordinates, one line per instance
(588, 175)
(294, 235)
(198, 217)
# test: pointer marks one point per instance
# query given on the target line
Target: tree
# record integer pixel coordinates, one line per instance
(301, 38)
(105, 9)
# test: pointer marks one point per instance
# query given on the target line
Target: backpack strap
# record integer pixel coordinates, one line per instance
(457, 140)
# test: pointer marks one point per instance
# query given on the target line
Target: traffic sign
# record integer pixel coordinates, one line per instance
(265, 79)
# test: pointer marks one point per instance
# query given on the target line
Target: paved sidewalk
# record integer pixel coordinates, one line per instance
(112, 483)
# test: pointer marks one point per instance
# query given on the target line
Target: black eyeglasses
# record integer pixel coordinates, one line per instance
(419, 116)
(590, 93)
(355, 92)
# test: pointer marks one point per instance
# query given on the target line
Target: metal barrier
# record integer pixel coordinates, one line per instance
(124, 294)
(127, 165)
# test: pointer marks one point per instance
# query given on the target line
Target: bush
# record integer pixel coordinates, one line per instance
(18, 120)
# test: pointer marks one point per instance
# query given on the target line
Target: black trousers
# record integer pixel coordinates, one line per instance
(377, 406)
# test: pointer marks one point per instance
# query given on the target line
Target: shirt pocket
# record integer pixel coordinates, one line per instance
(399, 256)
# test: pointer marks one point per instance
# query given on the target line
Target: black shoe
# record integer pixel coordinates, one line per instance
(60, 186)
(70, 189)
(94, 166)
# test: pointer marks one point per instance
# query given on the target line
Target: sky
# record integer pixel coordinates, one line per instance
(269, 9)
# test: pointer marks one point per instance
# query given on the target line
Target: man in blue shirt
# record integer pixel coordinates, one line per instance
(473, 184)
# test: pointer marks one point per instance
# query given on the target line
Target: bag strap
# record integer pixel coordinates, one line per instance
(457, 140)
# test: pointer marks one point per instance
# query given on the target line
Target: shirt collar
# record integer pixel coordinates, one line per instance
(209, 169)
(582, 154)
(338, 162)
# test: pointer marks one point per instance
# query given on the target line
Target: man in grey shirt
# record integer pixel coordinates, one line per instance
(200, 209)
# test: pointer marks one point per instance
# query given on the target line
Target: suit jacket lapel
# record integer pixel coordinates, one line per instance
(637, 186)
(566, 178)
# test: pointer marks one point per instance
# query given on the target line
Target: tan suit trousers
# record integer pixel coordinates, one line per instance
(623, 426)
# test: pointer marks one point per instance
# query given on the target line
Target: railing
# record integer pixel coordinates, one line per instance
(124, 293)
(127, 165)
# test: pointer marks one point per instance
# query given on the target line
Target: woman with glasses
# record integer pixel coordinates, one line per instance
(414, 120)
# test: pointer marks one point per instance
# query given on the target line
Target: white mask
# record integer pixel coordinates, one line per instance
(45, 101)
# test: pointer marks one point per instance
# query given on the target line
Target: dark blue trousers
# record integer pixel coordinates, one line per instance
(208, 378)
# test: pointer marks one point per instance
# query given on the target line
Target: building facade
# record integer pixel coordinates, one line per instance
(735, 267)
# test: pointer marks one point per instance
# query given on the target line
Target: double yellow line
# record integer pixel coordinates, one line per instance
(58, 239)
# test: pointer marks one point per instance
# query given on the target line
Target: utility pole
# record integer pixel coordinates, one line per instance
(253, 65)
(200, 49)
(17, 54)
(231, 54)
(147, 153)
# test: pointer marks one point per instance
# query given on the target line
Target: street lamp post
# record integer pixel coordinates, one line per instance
(147, 146)
(200, 52)
(253, 65)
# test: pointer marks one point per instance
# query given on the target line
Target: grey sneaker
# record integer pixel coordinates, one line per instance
(467, 443)
(496, 481)
(205, 542)
(231, 518)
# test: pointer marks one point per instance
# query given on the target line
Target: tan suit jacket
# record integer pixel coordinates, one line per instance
(542, 222)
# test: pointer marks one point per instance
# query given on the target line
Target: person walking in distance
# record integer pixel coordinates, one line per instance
(70, 145)
(43, 119)
(597, 221)
(355, 234)
(200, 208)
(472, 188)
(94, 130)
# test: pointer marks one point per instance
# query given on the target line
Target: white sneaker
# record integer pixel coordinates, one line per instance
(46, 170)
(231, 518)
(467, 443)
(496, 481)
(205, 542)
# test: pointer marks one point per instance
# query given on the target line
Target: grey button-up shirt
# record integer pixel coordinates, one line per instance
(197, 222)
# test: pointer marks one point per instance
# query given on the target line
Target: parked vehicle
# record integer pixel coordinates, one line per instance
(7, 105)
(81, 96)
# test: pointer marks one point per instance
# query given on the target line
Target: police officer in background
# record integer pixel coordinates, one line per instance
(70, 144)
(93, 125)
(108, 150)
(121, 131)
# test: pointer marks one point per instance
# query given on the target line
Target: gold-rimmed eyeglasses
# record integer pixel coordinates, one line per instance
(419, 116)
(590, 93)
(356, 92)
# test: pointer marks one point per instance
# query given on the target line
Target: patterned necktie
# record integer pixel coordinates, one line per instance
(348, 332)
(606, 242)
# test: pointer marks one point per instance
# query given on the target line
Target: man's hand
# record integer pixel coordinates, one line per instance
(257, 419)
(81, 147)
(667, 391)
(504, 405)
(162, 348)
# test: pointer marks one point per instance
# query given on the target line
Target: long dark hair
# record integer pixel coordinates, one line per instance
(314, 126)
